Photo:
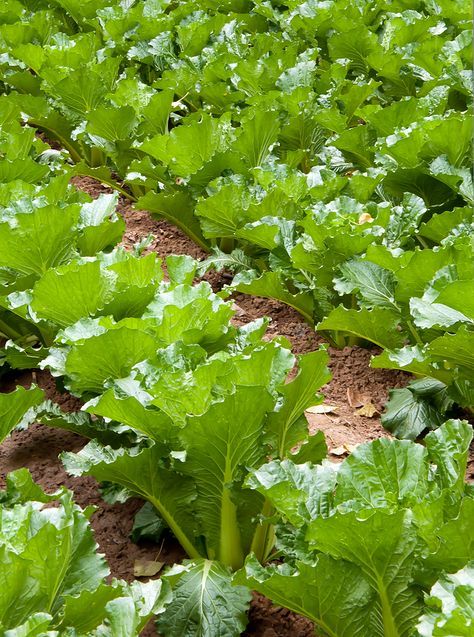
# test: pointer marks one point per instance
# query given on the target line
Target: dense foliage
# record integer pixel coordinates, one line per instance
(53, 579)
(364, 542)
(331, 144)
(319, 151)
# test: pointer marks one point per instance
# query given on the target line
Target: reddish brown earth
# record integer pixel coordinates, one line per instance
(353, 382)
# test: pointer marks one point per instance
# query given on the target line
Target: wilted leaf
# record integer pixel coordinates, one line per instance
(368, 410)
(147, 568)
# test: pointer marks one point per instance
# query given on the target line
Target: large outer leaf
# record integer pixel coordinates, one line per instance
(205, 604)
(14, 408)
(130, 411)
(297, 396)
(382, 545)
(27, 248)
(383, 474)
(378, 326)
(332, 593)
(141, 472)
(106, 356)
(52, 576)
(72, 292)
(219, 446)
(46, 554)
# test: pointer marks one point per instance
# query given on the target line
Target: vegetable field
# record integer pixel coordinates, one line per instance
(236, 318)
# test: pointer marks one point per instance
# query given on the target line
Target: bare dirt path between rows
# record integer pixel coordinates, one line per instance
(354, 383)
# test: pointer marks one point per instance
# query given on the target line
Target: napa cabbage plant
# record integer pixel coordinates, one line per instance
(364, 543)
(44, 223)
(179, 423)
(54, 581)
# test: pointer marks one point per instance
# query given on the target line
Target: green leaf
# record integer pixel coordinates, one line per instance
(427, 314)
(28, 249)
(450, 607)
(376, 286)
(297, 396)
(332, 593)
(16, 408)
(455, 348)
(382, 545)
(71, 292)
(102, 228)
(130, 411)
(448, 448)
(455, 541)
(259, 132)
(181, 268)
(178, 208)
(83, 90)
(35, 626)
(383, 474)
(378, 326)
(416, 408)
(271, 285)
(314, 449)
(441, 225)
(121, 609)
(299, 492)
(205, 603)
(147, 525)
(111, 124)
(188, 147)
(141, 472)
(53, 576)
(192, 314)
(107, 356)
(224, 212)
(20, 489)
(236, 427)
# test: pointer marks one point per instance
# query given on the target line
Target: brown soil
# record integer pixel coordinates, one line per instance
(353, 382)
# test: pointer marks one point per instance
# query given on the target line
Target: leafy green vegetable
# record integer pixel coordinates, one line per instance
(54, 578)
(238, 399)
(382, 522)
(449, 606)
(16, 408)
(337, 174)
(204, 601)
(418, 407)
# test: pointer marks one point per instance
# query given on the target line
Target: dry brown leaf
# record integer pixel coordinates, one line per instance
(356, 398)
(338, 451)
(351, 447)
(365, 218)
(147, 568)
(322, 409)
(368, 410)
(344, 449)
(238, 310)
